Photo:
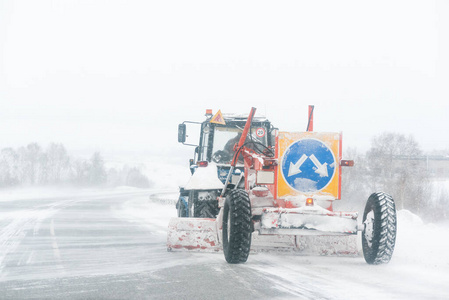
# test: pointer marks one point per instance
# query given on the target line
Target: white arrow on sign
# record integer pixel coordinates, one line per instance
(321, 169)
(294, 168)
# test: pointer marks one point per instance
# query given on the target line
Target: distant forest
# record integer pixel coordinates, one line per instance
(35, 166)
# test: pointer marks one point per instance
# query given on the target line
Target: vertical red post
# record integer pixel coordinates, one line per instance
(310, 123)
(243, 137)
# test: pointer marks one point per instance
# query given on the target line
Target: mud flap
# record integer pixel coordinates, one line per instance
(193, 234)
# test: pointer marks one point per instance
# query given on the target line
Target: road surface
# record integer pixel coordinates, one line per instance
(111, 245)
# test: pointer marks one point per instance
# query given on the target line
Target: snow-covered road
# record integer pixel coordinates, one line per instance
(111, 244)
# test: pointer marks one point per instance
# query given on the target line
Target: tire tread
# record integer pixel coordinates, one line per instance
(239, 244)
(385, 226)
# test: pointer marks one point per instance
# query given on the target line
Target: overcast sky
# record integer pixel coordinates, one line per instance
(120, 75)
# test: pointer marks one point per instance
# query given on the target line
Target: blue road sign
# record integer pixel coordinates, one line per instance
(308, 165)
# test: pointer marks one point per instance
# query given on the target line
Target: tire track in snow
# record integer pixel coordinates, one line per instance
(55, 247)
(10, 237)
(22, 222)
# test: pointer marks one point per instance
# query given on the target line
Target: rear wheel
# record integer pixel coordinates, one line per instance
(237, 227)
(379, 229)
(206, 209)
(205, 204)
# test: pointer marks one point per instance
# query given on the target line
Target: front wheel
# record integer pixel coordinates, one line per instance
(237, 227)
(379, 229)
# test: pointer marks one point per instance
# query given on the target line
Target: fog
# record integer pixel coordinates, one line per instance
(118, 76)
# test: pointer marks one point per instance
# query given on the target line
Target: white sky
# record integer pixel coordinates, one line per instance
(120, 75)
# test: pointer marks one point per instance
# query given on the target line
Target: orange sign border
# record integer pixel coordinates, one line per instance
(332, 140)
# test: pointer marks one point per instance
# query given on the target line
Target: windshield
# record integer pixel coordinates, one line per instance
(225, 139)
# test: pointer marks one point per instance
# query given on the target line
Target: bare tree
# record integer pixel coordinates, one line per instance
(57, 164)
(29, 163)
(9, 173)
(394, 166)
(137, 179)
(97, 174)
(80, 170)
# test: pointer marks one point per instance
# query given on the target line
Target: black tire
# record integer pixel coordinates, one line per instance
(379, 229)
(206, 209)
(182, 209)
(237, 227)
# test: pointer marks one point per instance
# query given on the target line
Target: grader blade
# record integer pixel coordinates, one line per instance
(327, 245)
(332, 245)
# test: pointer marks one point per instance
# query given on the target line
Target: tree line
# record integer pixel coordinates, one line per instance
(33, 165)
(394, 164)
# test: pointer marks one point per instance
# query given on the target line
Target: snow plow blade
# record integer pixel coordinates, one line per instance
(338, 245)
(307, 221)
(193, 234)
(201, 235)
(310, 231)
(333, 245)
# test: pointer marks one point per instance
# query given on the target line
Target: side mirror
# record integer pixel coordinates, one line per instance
(181, 133)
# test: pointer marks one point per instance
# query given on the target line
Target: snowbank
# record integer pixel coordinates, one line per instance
(417, 242)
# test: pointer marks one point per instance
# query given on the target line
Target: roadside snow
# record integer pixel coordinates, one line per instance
(163, 172)
(154, 213)
(425, 245)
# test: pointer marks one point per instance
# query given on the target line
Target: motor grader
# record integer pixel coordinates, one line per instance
(255, 188)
